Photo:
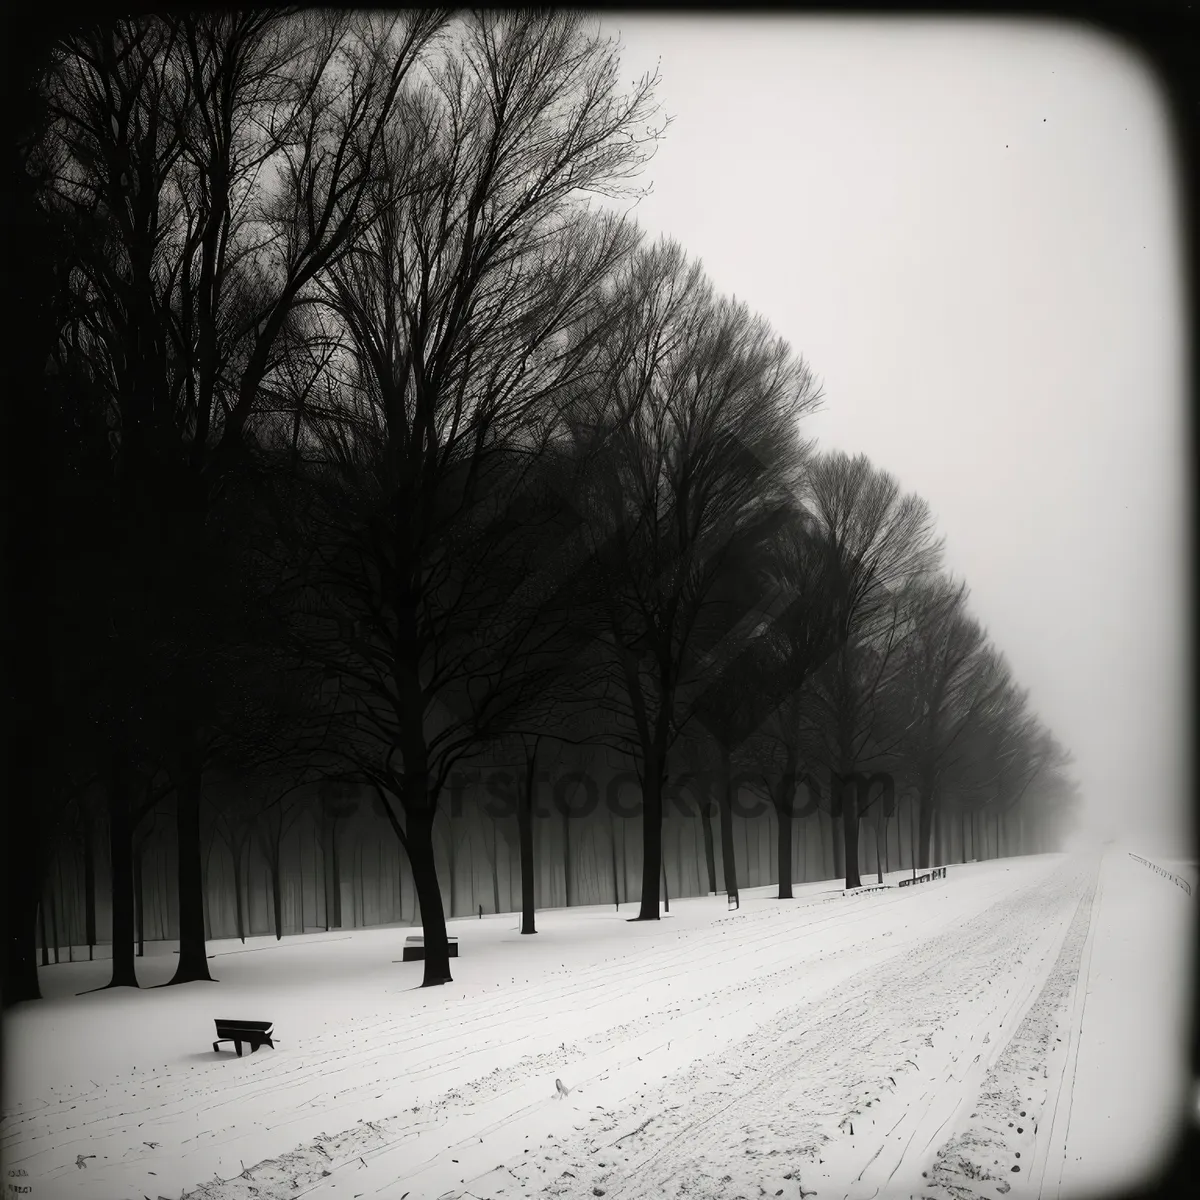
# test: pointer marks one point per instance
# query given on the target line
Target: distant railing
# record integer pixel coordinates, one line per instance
(936, 873)
(1183, 883)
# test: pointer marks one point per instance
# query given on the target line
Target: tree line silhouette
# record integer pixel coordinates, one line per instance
(376, 446)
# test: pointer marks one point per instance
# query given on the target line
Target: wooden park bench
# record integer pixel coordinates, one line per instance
(414, 948)
(254, 1033)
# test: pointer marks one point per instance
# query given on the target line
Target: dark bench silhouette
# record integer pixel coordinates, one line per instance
(253, 1033)
(414, 948)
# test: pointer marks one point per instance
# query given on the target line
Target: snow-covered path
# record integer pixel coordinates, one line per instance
(1092, 1088)
(842, 1045)
(843, 1094)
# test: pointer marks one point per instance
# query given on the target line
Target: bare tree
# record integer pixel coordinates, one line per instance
(881, 541)
(1008, 751)
(526, 786)
(946, 676)
(210, 166)
(456, 309)
(688, 438)
(796, 630)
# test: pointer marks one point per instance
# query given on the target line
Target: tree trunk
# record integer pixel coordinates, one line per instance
(163, 893)
(401, 859)
(761, 876)
(772, 850)
(495, 870)
(89, 883)
(612, 845)
(42, 930)
(239, 907)
(784, 802)
(452, 861)
(837, 838)
(356, 884)
(878, 859)
(321, 845)
(120, 841)
(624, 862)
(206, 888)
(327, 871)
(539, 857)
(193, 950)
(139, 894)
(22, 883)
(419, 832)
(679, 853)
(69, 909)
(847, 790)
(850, 835)
(666, 892)
(924, 830)
(514, 877)
(800, 835)
(725, 801)
(710, 857)
(277, 895)
(525, 839)
(50, 891)
(652, 818)
(566, 816)
(300, 862)
(336, 862)
(745, 849)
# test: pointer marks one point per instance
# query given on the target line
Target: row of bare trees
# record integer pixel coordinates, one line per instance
(387, 449)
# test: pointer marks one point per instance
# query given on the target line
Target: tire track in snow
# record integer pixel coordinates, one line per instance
(422, 1056)
(1018, 1128)
(183, 1114)
(760, 1118)
(420, 1140)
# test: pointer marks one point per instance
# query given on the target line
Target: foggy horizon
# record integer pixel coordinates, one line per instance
(969, 228)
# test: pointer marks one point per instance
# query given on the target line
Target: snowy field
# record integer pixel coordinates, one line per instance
(1016, 1030)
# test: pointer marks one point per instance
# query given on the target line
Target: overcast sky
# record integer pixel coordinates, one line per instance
(969, 230)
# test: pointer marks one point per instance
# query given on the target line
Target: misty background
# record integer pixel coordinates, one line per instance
(970, 229)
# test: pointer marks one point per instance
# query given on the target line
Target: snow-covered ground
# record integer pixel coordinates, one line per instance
(1015, 1029)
